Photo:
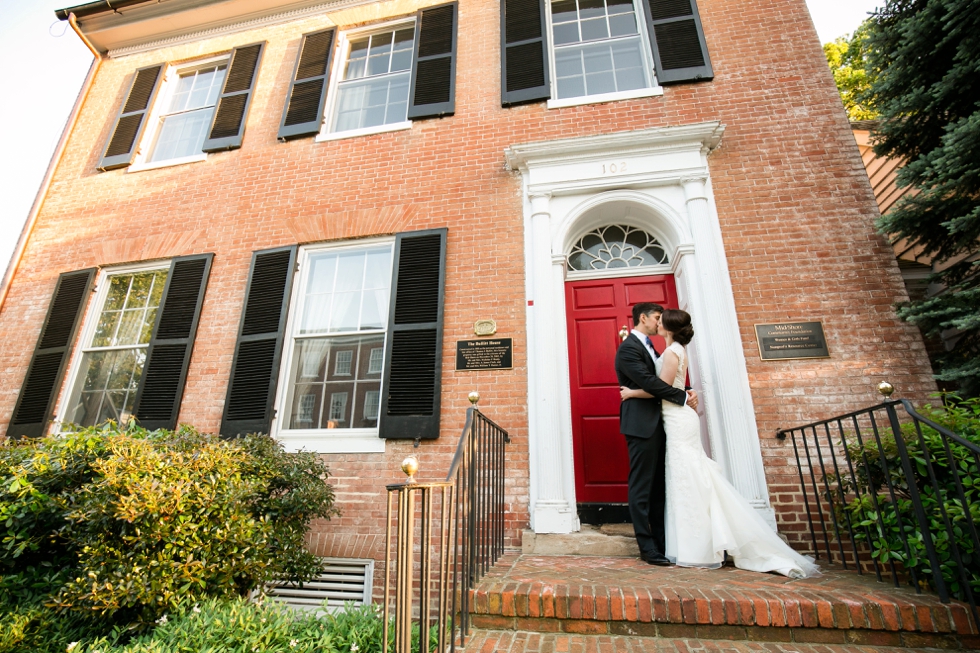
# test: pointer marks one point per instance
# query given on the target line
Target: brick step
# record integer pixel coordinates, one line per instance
(510, 641)
(616, 596)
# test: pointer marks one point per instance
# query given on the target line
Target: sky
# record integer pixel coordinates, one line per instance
(46, 65)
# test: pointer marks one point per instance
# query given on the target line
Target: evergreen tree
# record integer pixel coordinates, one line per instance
(924, 62)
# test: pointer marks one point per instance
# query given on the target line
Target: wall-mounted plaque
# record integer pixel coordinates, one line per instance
(489, 354)
(485, 327)
(791, 340)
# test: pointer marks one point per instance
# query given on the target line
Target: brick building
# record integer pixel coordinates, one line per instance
(324, 196)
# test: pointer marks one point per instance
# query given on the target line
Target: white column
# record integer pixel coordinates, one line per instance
(735, 439)
(552, 510)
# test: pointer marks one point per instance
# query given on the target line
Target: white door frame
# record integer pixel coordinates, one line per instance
(658, 180)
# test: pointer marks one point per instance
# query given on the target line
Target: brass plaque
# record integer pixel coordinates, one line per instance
(791, 340)
(489, 354)
(485, 327)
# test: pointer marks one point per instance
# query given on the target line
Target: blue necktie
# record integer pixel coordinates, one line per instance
(650, 345)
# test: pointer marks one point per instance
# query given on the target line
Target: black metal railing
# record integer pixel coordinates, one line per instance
(460, 527)
(887, 488)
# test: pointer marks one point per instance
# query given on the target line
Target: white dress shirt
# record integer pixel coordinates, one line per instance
(646, 343)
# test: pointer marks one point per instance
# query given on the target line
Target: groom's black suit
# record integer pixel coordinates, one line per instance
(640, 421)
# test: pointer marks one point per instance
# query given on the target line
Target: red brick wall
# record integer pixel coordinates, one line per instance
(795, 207)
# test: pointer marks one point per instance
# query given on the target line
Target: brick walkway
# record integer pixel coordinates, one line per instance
(526, 642)
(624, 596)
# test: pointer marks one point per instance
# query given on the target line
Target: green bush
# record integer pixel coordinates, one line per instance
(898, 517)
(116, 527)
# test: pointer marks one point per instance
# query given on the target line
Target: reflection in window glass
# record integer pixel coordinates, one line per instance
(112, 361)
(377, 76)
(187, 118)
(598, 48)
(339, 339)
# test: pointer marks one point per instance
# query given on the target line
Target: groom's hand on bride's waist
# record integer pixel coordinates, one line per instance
(692, 399)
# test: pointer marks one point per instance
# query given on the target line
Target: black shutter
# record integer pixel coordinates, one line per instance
(680, 53)
(303, 113)
(255, 368)
(126, 134)
(523, 52)
(36, 401)
(169, 354)
(413, 366)
(228, 123)
(434, 67)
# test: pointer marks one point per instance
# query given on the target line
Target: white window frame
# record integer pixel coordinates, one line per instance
(653, 90)
(91, 321)
(348, 440)
(337, 71)
(154, 122)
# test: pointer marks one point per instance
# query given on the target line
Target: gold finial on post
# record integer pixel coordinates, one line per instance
(886, 389)
(474, 397)
(410, 466)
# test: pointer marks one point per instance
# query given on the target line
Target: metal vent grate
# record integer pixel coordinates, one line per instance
(343, 580)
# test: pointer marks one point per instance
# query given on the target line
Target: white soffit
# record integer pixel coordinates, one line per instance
(165, 21)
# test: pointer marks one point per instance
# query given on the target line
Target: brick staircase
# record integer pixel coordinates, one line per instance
(531, 603)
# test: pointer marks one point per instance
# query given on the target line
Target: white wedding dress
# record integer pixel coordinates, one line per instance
(705, 515)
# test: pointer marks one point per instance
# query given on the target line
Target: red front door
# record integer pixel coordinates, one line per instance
(597, 310)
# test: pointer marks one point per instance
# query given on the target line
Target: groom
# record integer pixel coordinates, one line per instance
(640, 422)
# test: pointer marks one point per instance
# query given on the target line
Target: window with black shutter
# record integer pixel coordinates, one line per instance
(679, 49)
(125, 138)
(35, 403)
(523, 52)
(303, 112)
(434, 77)
(362, 352)
(413, 370)
(249, 403)
(168, 355)
(228, 124)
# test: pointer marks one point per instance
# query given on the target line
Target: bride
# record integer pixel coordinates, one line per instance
(705, 514)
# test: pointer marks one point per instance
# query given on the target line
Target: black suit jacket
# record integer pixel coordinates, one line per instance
(634, 368)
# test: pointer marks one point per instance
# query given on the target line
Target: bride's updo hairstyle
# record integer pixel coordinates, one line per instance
(679, 324)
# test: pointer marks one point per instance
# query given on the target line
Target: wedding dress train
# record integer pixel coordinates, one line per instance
(705, 515)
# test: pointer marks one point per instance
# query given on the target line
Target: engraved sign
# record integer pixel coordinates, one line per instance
(489, 354)
(791, 340)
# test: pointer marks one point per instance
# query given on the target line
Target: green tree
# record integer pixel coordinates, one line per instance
(846, 57)
(924, 58)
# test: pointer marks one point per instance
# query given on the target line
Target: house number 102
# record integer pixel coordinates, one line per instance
(613, 168)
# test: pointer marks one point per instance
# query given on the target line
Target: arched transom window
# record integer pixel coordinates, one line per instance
(616, 246)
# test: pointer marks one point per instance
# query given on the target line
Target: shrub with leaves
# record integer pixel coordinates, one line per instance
(124, 524)
(888, 525)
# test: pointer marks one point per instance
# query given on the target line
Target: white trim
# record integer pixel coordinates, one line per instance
(606, 97)
(194, 158)
(352, 440)
(646, 51)
(327, 120)
(231, 28)
(618, 273)
(662, 184)
(366, 131)
(89, 325)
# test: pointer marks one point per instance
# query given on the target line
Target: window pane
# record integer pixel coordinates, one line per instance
(622, 25)
(350, 362)
(401, 56)
(368, 403)
(182, 135)
(595, 29)
(106, 387)
(591, 8)
(628, 62)
(563, 11)
(565, 33)
(356, 61)
(129, 309)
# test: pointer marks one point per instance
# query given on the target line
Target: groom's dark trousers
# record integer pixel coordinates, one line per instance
(640, 421)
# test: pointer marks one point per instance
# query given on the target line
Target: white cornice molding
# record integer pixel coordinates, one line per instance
(704, 135)
(230, 23)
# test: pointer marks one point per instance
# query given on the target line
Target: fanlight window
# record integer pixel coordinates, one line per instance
(616, 246)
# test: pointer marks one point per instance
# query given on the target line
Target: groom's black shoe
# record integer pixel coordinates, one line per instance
(658, 559)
